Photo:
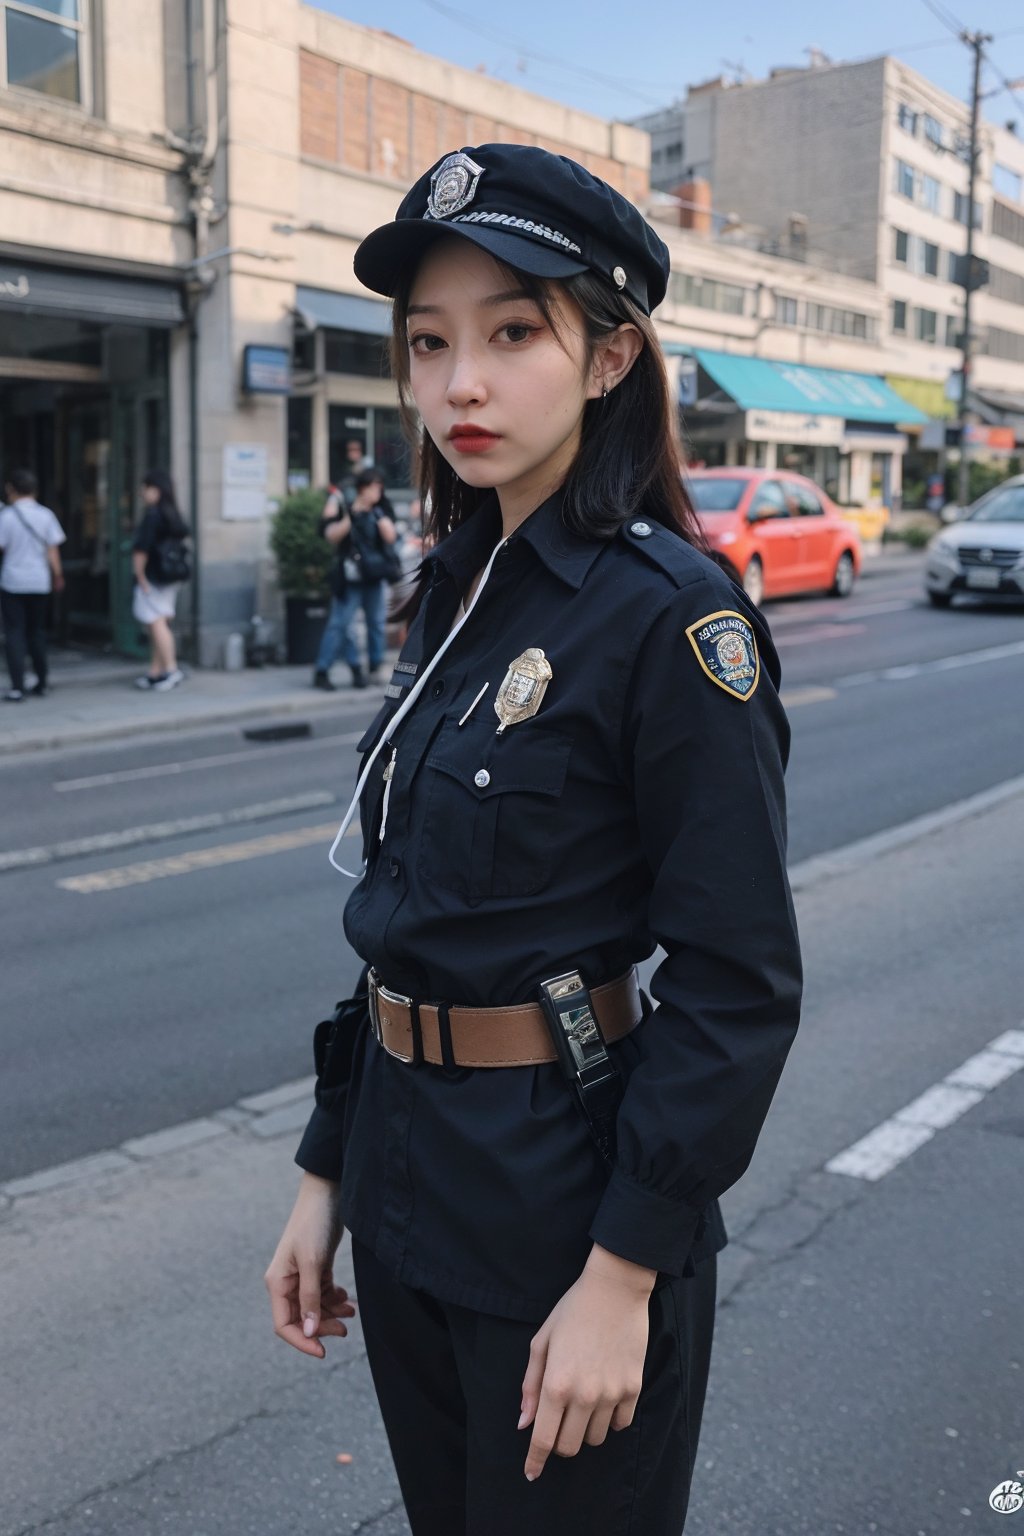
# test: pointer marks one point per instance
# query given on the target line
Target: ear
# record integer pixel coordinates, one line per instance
(614, 356)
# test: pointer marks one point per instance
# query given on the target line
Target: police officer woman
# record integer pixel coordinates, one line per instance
(580, 758)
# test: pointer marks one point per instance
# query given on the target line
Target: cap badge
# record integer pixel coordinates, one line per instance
(452, 186)
(521, 693)
(619, 277)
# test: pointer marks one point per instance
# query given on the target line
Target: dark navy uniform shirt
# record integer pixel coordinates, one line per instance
(641, 806)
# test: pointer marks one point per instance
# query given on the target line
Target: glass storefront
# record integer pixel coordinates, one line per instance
(378, 430)
(84, 405)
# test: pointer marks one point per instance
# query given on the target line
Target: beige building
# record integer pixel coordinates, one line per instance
(864, 168)
(182, 186)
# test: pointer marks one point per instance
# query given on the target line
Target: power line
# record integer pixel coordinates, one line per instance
(945, 15)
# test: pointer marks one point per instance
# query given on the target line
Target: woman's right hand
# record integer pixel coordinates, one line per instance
(305, 1302)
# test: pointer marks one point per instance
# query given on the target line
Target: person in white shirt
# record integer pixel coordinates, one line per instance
(30, 537)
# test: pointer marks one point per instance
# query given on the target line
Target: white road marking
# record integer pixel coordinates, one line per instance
(199, 858)
(941, 664)
(814, 634)
(192, 765)
(161, 831)
(892, 1142)
(792, 698)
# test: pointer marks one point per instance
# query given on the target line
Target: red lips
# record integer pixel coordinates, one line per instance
(465, 437)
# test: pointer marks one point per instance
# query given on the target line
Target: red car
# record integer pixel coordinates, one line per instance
(775, 532)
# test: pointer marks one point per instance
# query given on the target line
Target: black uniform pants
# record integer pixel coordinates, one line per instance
(24, 615)
(449, 1383)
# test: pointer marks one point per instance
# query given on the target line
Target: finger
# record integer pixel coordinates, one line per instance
(310, 1282)
(597, 1429)
(575, 1420)
(292, 1334)
(622, 1418)
(545, 1433)
(533, 1379)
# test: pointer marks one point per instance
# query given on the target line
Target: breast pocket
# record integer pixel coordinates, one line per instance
(492, 808)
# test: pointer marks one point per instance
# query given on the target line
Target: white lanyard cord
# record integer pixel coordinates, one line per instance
(399, 716)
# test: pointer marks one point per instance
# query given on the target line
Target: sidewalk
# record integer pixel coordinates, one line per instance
(94, 699)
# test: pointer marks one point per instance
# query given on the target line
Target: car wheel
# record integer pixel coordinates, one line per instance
(753, 581)
(845, 576)
(940, 599)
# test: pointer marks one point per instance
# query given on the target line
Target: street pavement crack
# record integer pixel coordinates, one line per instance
(160, 1463)
(787, 1227)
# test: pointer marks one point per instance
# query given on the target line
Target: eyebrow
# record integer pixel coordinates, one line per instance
(491, 302)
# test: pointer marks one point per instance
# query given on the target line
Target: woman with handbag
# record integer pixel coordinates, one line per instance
(160, 563)
(366, 540)
(579, 759)
(30, 537)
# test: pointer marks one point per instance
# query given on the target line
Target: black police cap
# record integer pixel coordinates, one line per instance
(539, 212)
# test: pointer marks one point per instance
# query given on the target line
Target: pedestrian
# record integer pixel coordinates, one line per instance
(355, 462)
(366, 541)
(30, 537)
(159, 564)
(580, 758)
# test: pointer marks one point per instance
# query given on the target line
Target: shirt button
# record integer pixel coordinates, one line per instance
(438, 688)
(482, 779)
(394, 869)
(641, 530)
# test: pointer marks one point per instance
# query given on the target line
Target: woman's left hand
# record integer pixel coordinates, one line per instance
(587, 1361)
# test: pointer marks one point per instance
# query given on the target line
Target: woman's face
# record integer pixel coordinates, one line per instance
(150, 495)
(500, 394)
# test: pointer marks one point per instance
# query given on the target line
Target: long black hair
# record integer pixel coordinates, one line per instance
(627, 461)
(161, 481)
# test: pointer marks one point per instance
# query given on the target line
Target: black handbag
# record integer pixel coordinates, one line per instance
(173, 559)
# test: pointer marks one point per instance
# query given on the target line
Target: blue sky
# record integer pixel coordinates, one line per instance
(624, 57)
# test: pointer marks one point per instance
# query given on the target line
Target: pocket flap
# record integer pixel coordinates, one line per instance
(526, 758)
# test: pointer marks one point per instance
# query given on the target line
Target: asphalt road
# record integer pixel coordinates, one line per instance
(866, 1375)
(146, 1005)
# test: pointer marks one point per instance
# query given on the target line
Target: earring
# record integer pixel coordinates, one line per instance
(604, 391)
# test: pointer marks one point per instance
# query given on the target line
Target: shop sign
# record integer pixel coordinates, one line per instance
(998, 439)
(794, 427)
(266, 371)
(245, 482)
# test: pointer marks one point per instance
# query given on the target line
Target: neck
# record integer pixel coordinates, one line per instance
(521, 497)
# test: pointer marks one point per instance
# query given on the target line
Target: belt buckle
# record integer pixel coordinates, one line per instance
(377, 991)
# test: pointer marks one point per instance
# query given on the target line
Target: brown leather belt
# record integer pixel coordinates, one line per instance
(491, 1037)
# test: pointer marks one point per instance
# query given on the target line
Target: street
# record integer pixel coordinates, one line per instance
(162, 977)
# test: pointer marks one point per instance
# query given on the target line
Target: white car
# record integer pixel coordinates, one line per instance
(984, 553)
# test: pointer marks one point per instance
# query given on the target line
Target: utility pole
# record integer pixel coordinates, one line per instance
(976, 42)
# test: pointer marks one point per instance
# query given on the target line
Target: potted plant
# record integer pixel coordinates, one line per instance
(304, 559)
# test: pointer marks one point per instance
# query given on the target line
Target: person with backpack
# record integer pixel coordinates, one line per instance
(366, 539)
(160, 563)
(30, 537)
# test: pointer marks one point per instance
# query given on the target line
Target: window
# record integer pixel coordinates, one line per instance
(1005, 344)
(707, 293)
(770, 501)
(1006, 285)
(46, 46)
(378, 430)
(905, 179)
(786, 311)
(1007, 183)
(709, 493)
(899, 317)
(952, 267)
(926, 323)
(906, 117)
(930, 192)
(300, 442)
(960, 209)
(901, 246)
(932, 131)
(952, 331)
(352, 352)
(1007, 223)
(807, 504)
(927, 258)
(841, 322)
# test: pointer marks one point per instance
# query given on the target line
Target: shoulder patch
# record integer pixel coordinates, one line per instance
(725, 645)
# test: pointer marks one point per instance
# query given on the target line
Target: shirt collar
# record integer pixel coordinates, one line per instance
(566, 554)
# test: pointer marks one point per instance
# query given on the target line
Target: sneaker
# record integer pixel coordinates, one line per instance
(14, 695)
(358, 677)
(323, 680)
(169, 680)
(146, 682)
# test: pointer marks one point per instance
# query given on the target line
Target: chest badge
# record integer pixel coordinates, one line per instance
(726, 648)
(521, 693)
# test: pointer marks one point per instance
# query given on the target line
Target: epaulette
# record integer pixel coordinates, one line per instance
(667, 550)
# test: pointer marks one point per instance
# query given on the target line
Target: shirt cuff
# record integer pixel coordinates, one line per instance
(644, 1227)
(321, 1148)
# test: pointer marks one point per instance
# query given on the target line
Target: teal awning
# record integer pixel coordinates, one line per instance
(758, 384)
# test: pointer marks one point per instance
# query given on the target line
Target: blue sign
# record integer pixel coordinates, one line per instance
(267, 370)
